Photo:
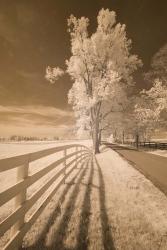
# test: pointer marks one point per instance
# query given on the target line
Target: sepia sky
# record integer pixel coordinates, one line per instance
(33, 34)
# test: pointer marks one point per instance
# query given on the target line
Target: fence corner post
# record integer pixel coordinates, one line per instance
(76, 150)
(65, 165)
(22, 174)
(81, 153)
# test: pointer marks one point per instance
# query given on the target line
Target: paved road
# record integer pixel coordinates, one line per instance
(152, 166)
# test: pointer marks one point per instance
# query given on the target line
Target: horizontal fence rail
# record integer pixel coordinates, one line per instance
(146, 144)
(16, 220)
(149, 144)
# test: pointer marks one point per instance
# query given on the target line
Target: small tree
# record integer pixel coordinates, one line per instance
(157, 97)
(153, 104)
(145, 123)
(100, 67)
(158, 67)
(150, 106)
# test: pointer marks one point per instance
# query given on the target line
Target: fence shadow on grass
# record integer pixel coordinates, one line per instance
(82, 237)
(40, 243)
(59, 234)
(107, 239)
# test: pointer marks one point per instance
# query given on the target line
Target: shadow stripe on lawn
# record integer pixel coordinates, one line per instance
(61, 231)
(40, 243)
(107, 238)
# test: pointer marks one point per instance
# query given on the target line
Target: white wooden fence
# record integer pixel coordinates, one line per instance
(16, 220)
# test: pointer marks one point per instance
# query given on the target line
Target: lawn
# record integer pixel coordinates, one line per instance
(104, 204)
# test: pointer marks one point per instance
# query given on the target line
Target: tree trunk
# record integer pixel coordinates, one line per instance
(123, 137)
(95, 128)
(100, 136)
(96, 140)
(97, 150)
(95, 135)
(115, 135)
(137, 140)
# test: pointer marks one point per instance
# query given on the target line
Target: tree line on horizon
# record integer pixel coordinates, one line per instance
(27, 138)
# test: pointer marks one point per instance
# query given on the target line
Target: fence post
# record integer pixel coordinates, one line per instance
(76, 150)
(65, 165)
(82, 156)
(22, 174)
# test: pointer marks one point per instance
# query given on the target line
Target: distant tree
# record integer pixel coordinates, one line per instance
(158, 69)
(157, 96)
(56, 138)
(116, 124)
(145, 121)
(150, 106)
(101, 69)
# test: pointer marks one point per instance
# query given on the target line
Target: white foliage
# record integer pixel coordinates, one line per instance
(52, 74)
(159, 66)
(100, 61)
(100, 66)
(106, 19)
(150, 105)
(157, 95)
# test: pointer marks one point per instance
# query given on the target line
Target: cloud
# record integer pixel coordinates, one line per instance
(35, 120)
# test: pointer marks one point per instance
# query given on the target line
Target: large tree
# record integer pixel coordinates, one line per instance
(101, 69)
